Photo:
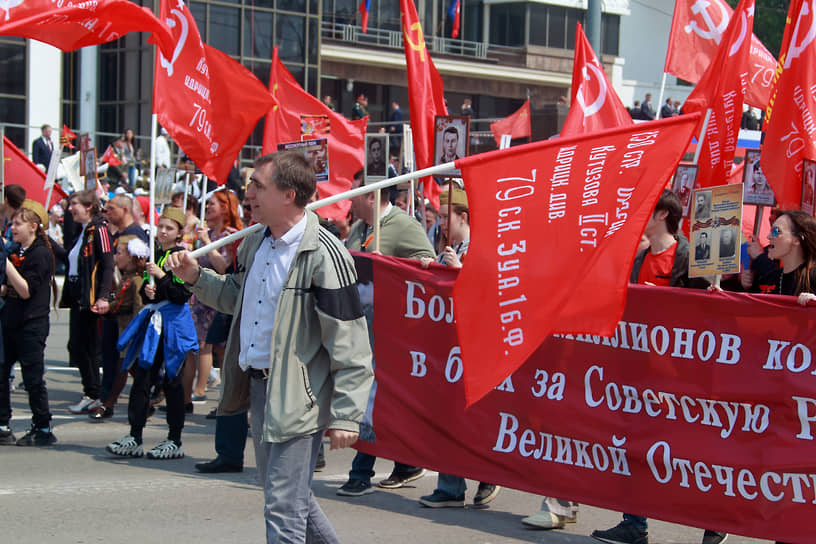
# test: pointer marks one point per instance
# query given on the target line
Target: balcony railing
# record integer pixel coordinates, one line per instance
(392, 39)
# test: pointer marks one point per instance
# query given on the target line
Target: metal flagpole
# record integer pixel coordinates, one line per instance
(186, 189)
(153, 123)
(660, 100)
(51, 176)
(203, 202)
(433, 170)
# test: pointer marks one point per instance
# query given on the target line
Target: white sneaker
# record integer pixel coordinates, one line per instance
(85, 405)
(126, 447)
(166, 449)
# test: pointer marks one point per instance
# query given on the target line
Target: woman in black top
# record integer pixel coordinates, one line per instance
(29, 283)
(793, 246)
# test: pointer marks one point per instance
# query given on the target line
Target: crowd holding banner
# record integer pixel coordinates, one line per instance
(538, 329)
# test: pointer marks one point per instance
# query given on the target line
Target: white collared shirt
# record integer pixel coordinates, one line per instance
(262, 288)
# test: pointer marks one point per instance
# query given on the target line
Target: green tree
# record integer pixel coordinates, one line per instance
(769, 22)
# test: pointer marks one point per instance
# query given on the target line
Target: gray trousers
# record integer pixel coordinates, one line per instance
(291, 512)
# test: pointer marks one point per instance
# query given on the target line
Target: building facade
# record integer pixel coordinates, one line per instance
(507, 51)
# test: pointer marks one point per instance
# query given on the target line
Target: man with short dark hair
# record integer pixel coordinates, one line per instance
(646, 110)
(42, 148)
(450, 145)
(299, 337)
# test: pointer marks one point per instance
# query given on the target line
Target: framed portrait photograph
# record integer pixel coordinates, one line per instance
(685, 178)
(316, 151)
(376, 155)
(808, 185)
(757, 189)
(451, 139)
(702, 205)
(715, 230)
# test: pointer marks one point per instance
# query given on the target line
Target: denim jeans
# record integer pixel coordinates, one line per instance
(230, 437)
(362, 467)
(454, 486)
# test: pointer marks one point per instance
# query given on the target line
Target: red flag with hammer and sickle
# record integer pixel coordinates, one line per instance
(425, 94)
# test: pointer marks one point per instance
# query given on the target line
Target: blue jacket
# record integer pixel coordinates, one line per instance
(171, 322)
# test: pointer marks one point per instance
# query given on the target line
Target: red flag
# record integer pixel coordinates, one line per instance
(206, 100)
(455, 13)
(789, 123)
(722, 88)
(66, 136)
(595, 105)
(425, 94)
(80, 24)
(109, 157)
(696, 32)
(517, 124)
(581, 201)
(346, 138)
(18, 169)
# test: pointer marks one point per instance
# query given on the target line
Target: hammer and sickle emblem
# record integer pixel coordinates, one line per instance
(712, 31)
(275, 96)
(6, 6)
(743, 32)
(796, 47)
(595, 106)
(168, 65)
(420, 43)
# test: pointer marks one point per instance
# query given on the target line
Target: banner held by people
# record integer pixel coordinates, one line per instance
(695, 409)
(582, 201)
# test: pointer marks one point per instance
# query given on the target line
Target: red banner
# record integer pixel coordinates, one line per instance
(700, 409)
(722, 89)
(206, 100)
(285, 123)
(517, 124)
(18, 169)
(425, 94)
(696, 32)
(790, 130)
(71, 25)
(579, 202)
(594, 105)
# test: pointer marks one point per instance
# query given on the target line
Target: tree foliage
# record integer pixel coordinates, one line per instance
(769, 22)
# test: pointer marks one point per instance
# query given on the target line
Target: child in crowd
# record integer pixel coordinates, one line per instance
(158, 355)
(129, 260)
(29, 284)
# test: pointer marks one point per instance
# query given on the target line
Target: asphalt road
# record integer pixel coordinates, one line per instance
(76, 492)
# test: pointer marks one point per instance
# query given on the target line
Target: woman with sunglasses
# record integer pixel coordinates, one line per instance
(793, 246)
(222, 218)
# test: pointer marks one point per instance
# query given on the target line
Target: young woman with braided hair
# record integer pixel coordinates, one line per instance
(25, 317)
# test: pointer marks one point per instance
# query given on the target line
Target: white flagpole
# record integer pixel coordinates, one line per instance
(186, 189)
(660, 100)
(153, 123)
(433, 170)
(51, 176)
(203, 202)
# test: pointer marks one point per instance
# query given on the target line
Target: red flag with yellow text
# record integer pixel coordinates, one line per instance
(790, 129)
(73, 25)
(722, 88)
(425, 94)
(554, 229)
(594, 104)
(696, 32)
(346, 139)
(206, 100)
(18, 169)
(517, 124)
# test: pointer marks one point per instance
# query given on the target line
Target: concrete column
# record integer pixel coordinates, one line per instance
(593, 25)
(44, 90)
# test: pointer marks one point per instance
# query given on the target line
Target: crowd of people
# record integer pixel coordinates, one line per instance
(293, 282)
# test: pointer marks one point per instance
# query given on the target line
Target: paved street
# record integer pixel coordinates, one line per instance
(77, 493)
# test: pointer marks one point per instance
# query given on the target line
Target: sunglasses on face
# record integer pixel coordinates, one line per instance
(775, 232)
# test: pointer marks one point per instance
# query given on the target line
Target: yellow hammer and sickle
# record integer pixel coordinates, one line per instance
(274, 93)
(420, 45)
